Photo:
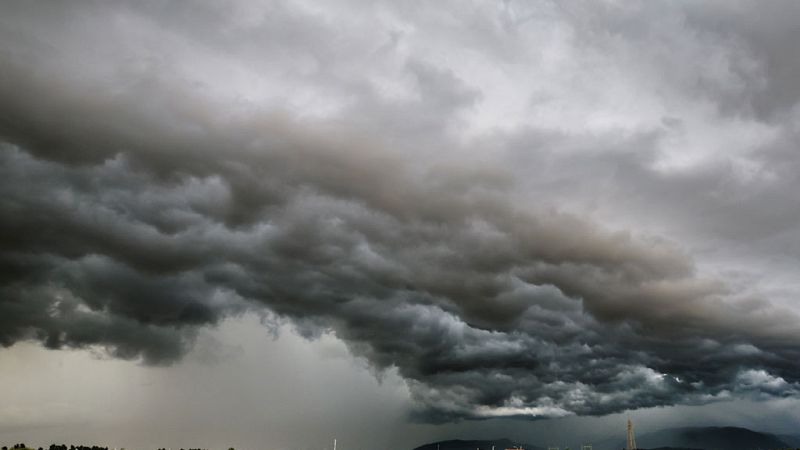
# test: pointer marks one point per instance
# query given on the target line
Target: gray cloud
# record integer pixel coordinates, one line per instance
(138, 207)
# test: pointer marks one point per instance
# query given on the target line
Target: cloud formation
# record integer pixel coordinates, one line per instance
(368, 189)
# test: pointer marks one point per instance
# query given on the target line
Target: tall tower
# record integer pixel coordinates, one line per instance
(631, 438)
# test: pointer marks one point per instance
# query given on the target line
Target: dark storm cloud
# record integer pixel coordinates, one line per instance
(136, 209)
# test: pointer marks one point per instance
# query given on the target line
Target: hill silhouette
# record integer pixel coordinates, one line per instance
(458, 444)
(687, 438)
(703, 438)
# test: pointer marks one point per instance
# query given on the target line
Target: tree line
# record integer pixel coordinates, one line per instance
(58, 447)
(81, 447)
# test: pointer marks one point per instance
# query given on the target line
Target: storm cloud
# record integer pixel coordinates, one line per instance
(163, 169)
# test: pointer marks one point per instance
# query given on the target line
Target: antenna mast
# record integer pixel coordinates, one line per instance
(631, 438)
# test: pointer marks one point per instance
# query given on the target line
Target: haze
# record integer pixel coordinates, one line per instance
(268, 224)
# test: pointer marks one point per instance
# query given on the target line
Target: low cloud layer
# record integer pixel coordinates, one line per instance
(140, 204)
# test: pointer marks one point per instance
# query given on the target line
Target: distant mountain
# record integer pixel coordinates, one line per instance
(792, 439)
(711, 438)
(669, 448)
(457, 444)
(694, 438)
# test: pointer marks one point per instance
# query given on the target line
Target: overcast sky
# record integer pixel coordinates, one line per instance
(267, 224)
